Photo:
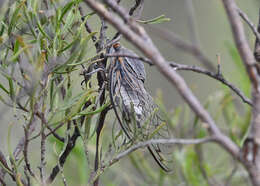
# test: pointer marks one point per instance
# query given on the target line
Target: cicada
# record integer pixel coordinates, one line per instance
(134, 107)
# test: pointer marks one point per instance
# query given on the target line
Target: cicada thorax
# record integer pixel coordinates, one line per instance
(135, 110)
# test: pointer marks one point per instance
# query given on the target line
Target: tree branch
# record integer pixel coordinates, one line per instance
(241, 41)
(251, 146)
(162, 141)
(147, 143)
(249, 22)
(70, 145)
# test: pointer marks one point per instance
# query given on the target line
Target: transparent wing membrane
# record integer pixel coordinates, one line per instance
(135, 109)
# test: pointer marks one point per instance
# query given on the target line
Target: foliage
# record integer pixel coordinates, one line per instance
(43, 51)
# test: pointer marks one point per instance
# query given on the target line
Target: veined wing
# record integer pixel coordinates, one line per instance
(134, 107)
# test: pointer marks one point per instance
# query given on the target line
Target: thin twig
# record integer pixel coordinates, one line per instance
(98, 132)
(257, 44)
(25, 151)
(42, 118)
(87, 26)
(146, 144)
(43, 150)
(20, 146)
(249, 22)
(27, 175)
(70, 145)
(44, 121)
(241, 40)
(130, 56)
(4, 163)
(139, 4)
(216, 76)
(2, 182)
(54, 130)
(162, 141)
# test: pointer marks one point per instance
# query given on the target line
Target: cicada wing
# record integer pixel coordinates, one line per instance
(158, 129)
(116, 98)
(159, 159)
(135, 109)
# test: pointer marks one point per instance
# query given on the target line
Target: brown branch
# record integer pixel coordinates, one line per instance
(252, 142)
(2, 170)
(44, 121)
(130, 56)
(249, 22)
(25, 151)
(42, 118)
(70, 145)
(2, 182)
(54, 130)
(87, 26)
(98, 132)
(162, 141)
(257, 44)
(28, 179)
(139, 5)
(240, 40)
(20, 146)
(218, 76)
(43, 150)
(146, 144)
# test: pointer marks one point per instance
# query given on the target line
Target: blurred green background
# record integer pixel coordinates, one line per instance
(215, 37)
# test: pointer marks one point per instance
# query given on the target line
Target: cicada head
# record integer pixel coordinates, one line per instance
(117, 46)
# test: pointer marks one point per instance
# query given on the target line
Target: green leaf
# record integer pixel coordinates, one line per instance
(88, 112)
(42, 30)
(65, 9)
(84, 45)
(3, 100)
(16, 55)
(85, 97)
(4, 89)
(15, 17)
(156, 20)
(69, 45)
(162, 177)
(191, 168)
(87, 125)
(69, 20)
(11, 88)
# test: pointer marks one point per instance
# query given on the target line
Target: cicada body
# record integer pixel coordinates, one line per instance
(134, 108)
